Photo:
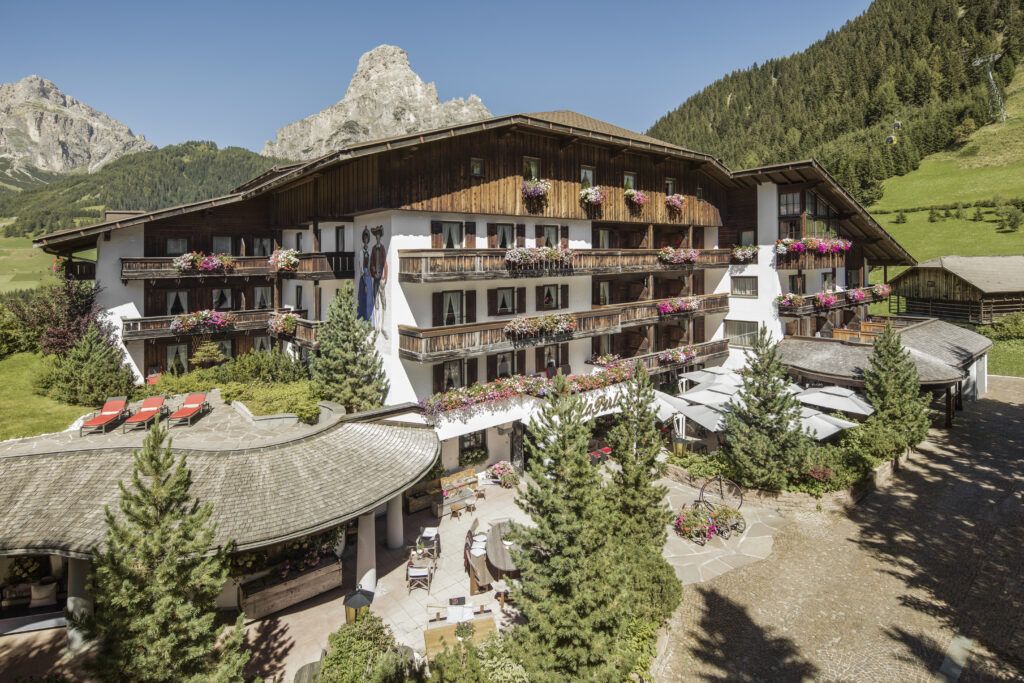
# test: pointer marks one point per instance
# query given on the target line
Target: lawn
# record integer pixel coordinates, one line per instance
(1007, 358)
(21, 265)
(24, 412)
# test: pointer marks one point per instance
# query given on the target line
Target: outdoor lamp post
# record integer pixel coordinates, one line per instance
(356, 604)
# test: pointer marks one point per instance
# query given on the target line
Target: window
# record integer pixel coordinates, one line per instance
(474, 441)
(629, 180)
(298, 242)
(226, 347)
(454, 377)
(221, 299)
(298, 296)
(177, 358)
(790, 229)
(505, 364)
(744, 286)
(261, 343)
(549, 297)
(263, 297)
(451, 235)
(177, 302)
(670, 187)
(552, 357)
(452, 308)
(796, 284)
(828, 281)
(549, 236)
(506, 237)
(176, 246)
(506, 297)
(789, 204)
(604, 293)
(222, 244)
(262, 246)
(339, 238)
(747, 238)
(740, 332)
(587, 176)
(603, 239)
(852, 279)
(476, 167)
(531, 168)
(605, 344)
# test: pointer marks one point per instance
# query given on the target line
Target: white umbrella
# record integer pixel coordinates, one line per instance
(822, 426)
(708, 418)
(836, 398)
(711, 394)
(717, 375)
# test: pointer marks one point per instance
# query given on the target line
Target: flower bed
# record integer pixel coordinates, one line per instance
(283, 323)
(532, 257)
(678, 305)
(505, 474)
(675, 202)
(744, 254)
(202, 321)
(204, 263)
(592, 196)
(538, 326)
(682, 354)
(789, 300)
(814, 245)
(701, 525)
(635, 198)
(825, 299)
(536, 190)
(681, 255)
(284, 259)
(606, 359)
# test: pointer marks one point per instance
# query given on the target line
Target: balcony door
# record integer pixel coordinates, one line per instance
(262, 246)
(177, 302)
(177, 358)
(263, 297)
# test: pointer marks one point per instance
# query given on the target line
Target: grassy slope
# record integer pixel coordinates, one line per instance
(22, 266)
(25, 413)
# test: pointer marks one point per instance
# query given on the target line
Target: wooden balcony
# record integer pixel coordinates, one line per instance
(161, 267)
(811, 307)
(334, 265)
(80, 270)
(159, 327)
(442, 265)
(706, 351)
(646, 312)
(433, 344)
(305, 333)
(809, 261)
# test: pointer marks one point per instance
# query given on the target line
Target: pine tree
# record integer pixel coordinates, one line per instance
(763, 440)
(207, 355)
(348, 369)
(155, 583)
(933, 215)
(634, 496)
(901, 217)
(363, 652)
(978, 217)
(92, 371)
(894, 391)
(569, 594)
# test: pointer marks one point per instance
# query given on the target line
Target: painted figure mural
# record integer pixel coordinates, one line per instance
(372, 273)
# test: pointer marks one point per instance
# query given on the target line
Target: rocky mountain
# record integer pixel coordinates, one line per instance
(384, 98)
(42, 129)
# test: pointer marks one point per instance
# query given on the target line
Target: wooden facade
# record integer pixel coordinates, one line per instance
(940, 293)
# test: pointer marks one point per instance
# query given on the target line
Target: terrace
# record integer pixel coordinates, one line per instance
(160, 326)
(311, 266)
(822, 302)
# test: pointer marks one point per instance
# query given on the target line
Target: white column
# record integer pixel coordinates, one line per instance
(366, 553)
(396, 523)
(79, 600)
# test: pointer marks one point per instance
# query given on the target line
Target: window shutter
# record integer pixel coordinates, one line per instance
(470, 302)
(698, 282)
(470, 230)
(563, 354)
(564, 236)
(437, 302)
(538, 366)
(492, 235)
(472, 365)
(540, 297)
(435, 234)
(520, 299)
(563, 297)
(538, 233)
(492, 368)
(492, 302)
(520, 368)
(439, 378)
(520, 234)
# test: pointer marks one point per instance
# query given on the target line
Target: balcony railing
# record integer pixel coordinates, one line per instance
(705, 351)
(809, 261)
(440, 265)
(646, 312)
(445, 343)
(325, 266)
(156, 267)
(80, 270)
(810, 305)
(305, 333)
(157, 327)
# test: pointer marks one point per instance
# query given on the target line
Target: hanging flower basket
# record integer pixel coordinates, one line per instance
(678, 256)
(682, 354)
(856, 295)
(205, 321)
(535, 194)
(635, 198)
(286, 260)
(744, 254)
(592, 197)
(881, 290)
(203, 263)
(675, 203)
(678, 305)
(546, 325)
(789, 300)
(283, 324)
(825, 299)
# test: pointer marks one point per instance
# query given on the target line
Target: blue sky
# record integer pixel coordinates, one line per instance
(235, 72)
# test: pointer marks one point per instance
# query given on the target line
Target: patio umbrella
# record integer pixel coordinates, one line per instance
(836, 398)
(708, 418)
(717, 375)
(822, 426)
(711, 394)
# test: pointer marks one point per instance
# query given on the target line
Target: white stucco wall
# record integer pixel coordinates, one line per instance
(125, 242)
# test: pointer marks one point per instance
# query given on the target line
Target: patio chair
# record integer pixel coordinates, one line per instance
(113, 410)
(419, 575)
(150, 409)
(191, 409)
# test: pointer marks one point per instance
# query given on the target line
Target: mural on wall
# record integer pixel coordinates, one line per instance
(372, 275)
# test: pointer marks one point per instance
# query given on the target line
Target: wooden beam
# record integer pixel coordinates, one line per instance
(565, 144)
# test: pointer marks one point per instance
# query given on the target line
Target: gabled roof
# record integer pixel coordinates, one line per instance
(989, 274)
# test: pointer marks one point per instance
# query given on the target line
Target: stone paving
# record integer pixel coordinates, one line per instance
(878, 593)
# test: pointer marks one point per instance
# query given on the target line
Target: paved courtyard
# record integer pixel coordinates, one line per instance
(880, 593)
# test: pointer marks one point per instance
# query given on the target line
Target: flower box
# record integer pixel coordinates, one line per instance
(682, 354)
(856, 295)
(789, 300)
(546, 325)
(538, 257)
(700, 524)
(813, 245)
(825, 299)
(678, 305)
(678, 256)
(271, 594)
(744, 254)
(205, 321)
(606, 359)
(675, 203)
(635, 198)
(283, 323)
(536, 190)
(881, 290)
(203, 263)
(592, 196)
(286, 260)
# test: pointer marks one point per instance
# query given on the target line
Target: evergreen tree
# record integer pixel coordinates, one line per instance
(894, 391)
(363, 652)
(207, 355)
(568, 597)
(348, 369)
(763, 440)
(933, 215)
(634, 496)
(93, 370)
(155, 583)
(458, 664)
(901, 217)
(978, 217)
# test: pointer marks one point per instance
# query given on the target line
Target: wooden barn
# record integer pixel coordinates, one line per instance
(972, 289)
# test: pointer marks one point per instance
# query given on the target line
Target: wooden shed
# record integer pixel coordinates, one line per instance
(973, 289)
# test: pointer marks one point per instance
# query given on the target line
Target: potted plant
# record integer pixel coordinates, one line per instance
(856, 295)
(881, 290)
(464, 630)
(826, 299)
(535, 193)
(591, 197)
(675, 203)
(789, 300)
(202, 321)
(284, 260)
(635, 198)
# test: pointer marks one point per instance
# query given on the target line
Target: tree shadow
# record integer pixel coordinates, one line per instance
(35, 654)
(743, 650)
(950, 527)
(269, 644)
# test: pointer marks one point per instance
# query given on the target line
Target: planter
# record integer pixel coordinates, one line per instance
(267, 595)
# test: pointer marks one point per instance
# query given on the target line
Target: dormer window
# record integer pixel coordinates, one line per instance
(531, 168)
(476, 167)
(629, 180)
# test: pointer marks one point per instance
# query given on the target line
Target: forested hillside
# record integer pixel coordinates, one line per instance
(902, 60)
(176, 174)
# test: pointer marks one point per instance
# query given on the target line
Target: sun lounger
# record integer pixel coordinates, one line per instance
(191, 409)
(113, 410)
(151, 408)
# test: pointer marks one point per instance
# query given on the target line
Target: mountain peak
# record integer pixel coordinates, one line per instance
(384, 98)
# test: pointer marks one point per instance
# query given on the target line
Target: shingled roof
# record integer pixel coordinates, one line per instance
(54, 502)
(989, 274)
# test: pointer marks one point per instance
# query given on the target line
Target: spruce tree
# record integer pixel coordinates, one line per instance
(763, 439)
(348, 369)
(207, 354)
(636, 444)
(894, 391)
(155, 581)
(900, 217)
(978, 217)
(92, 371)
(569, 593)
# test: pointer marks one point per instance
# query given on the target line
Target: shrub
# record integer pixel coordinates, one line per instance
(270, 399)
(472, 456)
(207, 355)
(91, 371)
(830, 468)
(267, 366)
(498, 664)
(702, 466)
(363, 652)
(1008, 327)
(14, 338)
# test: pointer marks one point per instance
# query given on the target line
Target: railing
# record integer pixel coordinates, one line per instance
(163, 267)
(156, 327)
(325, 266)
(809, 260)
(704, 352)
(810, 305)
(439, 265)
(646, 312)
(80, 270)
(305, 333)
(443, 343)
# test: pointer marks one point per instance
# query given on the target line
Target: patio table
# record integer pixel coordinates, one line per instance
(498, 556)
(478, 565)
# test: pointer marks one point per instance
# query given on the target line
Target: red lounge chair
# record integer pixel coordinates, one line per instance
(113, 410)
(150, 409)
(192, 408)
